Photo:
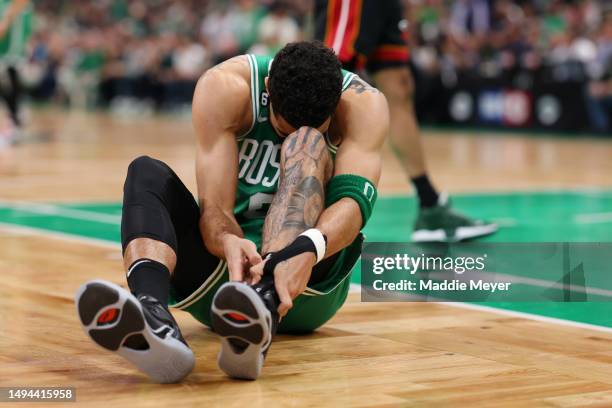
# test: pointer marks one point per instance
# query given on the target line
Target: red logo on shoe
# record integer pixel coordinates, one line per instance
(108, 316)
(237, 317)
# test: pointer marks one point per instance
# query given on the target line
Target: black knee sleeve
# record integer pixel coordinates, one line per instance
(145, 203)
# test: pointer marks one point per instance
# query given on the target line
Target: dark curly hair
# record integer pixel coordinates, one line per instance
(305, 83)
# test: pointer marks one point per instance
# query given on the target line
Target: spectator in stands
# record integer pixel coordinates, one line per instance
(599, 90)
(470, 23)
(276, 29)
(232, 29)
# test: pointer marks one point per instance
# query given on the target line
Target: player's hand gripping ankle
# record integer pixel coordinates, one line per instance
(290, 278)
(241, 254)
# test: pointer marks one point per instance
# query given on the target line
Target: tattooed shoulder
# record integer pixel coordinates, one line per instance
(360, 86)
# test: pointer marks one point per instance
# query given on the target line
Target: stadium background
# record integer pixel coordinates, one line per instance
(109, 80)
(517, 64)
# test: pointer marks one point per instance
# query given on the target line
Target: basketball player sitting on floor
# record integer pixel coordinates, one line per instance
(287, 162)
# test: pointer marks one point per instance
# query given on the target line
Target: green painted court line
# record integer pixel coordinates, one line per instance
(542, 216)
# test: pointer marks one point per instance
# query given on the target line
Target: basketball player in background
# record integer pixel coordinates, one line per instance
(368, 35)
(288, 158)
(15, 31)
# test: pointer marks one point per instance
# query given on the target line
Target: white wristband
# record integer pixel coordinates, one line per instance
(319, 241)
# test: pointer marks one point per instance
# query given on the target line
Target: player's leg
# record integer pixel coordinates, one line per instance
(388, 64)
(14, 96)
(12, 54)
(397, 84)
(159, 215)
(246, 317)
(436, 221)
(369, 33)
(10, 91)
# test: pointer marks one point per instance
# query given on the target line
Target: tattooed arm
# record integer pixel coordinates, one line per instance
(359, 86)
(306, 166)
(363, 120)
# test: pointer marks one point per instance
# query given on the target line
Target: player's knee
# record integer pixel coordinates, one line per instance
(306, 142)
(145, 172)
(143, 214)
(141, 164)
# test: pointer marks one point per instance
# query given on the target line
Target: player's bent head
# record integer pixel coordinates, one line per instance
(305, 84)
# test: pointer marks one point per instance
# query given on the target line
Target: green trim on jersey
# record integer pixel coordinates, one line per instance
(258, 174)
(13, 44)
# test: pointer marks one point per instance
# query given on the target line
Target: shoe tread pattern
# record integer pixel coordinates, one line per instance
(231, 299)
(95, 297)
(131, 321)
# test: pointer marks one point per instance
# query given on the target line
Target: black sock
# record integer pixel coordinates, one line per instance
(428, 196)
(14, 96)
(149, 277)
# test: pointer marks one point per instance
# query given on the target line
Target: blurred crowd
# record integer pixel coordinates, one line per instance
(490, 38)
(148, 54)
(517, 42)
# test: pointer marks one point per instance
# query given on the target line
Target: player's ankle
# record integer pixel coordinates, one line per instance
(427, 194)
(148, 277)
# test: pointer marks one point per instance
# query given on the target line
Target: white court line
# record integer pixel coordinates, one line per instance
(504, 277)
(50, 209)
(18, 229)
(354, 288)
(524, 315)
(85, 215)
(593, 218)
(596, 192)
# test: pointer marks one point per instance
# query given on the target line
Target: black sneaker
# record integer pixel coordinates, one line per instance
(441, 223)
(246, 318)
(141, 330)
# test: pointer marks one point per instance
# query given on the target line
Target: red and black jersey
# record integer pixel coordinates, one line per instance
(365, 34)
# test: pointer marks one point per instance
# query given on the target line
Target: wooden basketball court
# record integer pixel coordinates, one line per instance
(370, 354)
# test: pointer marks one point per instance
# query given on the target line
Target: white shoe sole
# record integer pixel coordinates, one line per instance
(461, 233)
(110, 314)
(243, 322)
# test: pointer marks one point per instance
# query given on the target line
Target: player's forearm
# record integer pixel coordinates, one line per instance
(215, 226)
(340, 223)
